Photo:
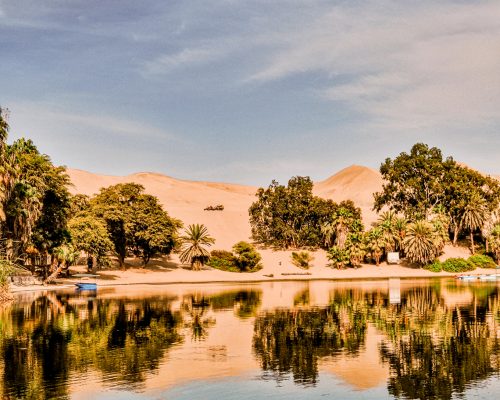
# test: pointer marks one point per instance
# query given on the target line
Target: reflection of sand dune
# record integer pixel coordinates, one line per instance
(363, 371)
(459, 296)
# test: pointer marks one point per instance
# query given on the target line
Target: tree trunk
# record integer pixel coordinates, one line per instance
(54, 274)
(472, 242)
(455, 236)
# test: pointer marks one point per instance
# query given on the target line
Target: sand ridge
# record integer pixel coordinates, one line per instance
(187, 200)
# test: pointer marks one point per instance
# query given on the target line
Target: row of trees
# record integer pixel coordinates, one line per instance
(426, 201)
(43, 225)
(442, 200)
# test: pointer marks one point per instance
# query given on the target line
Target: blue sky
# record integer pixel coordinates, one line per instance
(248, 91)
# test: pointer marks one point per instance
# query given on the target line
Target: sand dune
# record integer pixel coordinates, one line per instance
(356, 183)
(187, 200)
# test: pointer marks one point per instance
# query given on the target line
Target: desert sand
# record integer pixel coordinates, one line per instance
(187, 200)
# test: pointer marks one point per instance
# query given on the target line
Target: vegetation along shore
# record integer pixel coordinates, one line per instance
(435, 215)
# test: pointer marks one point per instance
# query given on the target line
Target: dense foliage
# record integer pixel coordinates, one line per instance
(244, 258)
(291, 217)
(422, 182)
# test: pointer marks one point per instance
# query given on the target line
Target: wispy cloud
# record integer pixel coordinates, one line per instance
(435, 63)
(63, 121)
(184, 58)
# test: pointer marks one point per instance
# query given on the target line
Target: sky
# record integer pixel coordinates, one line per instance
(250, 91)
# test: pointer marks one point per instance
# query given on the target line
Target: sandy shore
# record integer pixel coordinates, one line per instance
(277, 267)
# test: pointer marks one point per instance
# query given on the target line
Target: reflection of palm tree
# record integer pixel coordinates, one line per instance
(194, 241)
(198, 322)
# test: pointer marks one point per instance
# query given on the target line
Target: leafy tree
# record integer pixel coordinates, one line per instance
(463, 186)
(90, 235)
(151, 230)
(35, 202)
(291, 217)
(135, 221)
(344, 220)
(79, 203)
(113, 204)
(413, 182)
(194, 243)
(419, 244)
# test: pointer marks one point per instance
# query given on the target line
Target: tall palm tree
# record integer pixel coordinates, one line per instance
(474, 216)
(420, 242)
(494, 240)
(194, 241)
(376, 243)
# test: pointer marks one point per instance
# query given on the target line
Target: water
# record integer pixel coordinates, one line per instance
(302, 340)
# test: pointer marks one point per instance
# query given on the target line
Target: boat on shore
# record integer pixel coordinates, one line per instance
(87, 282)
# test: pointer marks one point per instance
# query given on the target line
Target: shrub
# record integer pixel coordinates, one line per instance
(247, 258)
(244, 259)
(302, 259)
(223, 260)
(457, 265)
(436, 266)
(481, 261)
(338, 257)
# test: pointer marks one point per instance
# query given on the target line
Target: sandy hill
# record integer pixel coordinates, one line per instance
(186, 200)
(355, 183)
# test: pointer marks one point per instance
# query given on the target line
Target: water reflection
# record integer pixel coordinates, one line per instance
(439, 339)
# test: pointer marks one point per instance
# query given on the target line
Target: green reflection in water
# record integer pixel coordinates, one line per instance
(434, 345)
(433, 350)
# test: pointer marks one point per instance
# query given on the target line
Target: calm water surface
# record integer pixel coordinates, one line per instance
(303, 340)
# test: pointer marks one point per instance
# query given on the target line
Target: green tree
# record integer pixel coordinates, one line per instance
(494, 240)
(291, 217)
(376, 244)
(194, 243)
(135, 221)
(420, 243)
(35, 202)
(151, 230)
(90, 235)
(113, 204)
(474, 216)
(413, 182)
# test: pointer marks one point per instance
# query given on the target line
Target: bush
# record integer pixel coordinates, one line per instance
(223, 260)
(338, 257)
(302, 259)
(247, 258)
(481, 261)
(436, 266)
(457, 265)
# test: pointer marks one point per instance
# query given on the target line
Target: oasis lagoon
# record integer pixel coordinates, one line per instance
(426, 339)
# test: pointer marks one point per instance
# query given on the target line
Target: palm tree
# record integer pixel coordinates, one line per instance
(420, 242)
(356, 247)
(193, 246)
(494, 240)
(474, 216)
(376, 243)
